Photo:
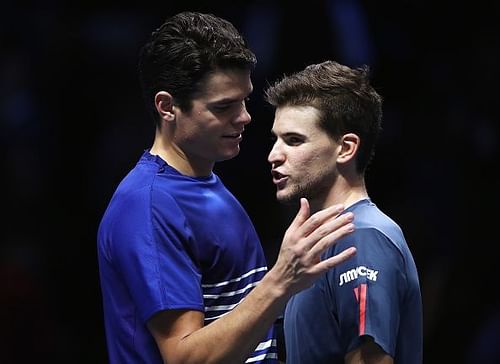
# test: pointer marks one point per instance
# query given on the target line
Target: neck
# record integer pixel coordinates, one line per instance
(176, 158)
(345, 192)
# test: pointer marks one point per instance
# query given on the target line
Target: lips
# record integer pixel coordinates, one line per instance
(279, 179)
(235, 134)
(235, 137)
(232, 139)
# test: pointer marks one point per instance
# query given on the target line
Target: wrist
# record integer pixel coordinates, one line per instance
(273, 286)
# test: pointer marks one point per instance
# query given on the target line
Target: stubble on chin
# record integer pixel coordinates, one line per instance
(288, 199)
(310, 191)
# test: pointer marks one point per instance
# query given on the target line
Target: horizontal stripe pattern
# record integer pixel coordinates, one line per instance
(266, 344)
(265, 350)
(222, 297)
(231, 293)
(262, 357)
(247, 274)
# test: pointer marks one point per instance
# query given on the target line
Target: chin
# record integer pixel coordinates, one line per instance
(233, 152)
(286, 199)
(228, 156)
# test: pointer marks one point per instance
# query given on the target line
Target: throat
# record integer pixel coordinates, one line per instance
(183, 164)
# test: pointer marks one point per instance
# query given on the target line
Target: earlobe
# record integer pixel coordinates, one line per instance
(164, 103)
(349, 144)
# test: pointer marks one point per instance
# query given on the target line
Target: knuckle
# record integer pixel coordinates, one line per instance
(298, 251)
(314, 220)
(323, 231)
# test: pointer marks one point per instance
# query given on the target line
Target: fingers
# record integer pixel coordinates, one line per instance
(331, 262)
(299, 262)
(305, 224)
(302, 215)
(327, 234)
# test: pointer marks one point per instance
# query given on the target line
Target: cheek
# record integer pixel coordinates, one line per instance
(313, 166)
(308, 162)
(198, 130)
(315, 160)
(304, 167)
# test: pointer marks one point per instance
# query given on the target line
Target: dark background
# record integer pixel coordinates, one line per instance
(73, 123)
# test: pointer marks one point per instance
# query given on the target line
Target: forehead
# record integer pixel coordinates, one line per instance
(226, 84)
(297, 119)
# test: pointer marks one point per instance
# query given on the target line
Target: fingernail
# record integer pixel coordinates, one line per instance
(349, 215)
(339, 208)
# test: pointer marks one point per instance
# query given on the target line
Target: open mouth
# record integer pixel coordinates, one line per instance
(279, 179)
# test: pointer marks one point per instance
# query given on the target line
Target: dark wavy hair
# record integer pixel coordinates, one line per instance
(343, 95)
(183, 51)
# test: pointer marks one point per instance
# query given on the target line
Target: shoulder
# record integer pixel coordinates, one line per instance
(368, 215)
(371, 222)
(376, 236)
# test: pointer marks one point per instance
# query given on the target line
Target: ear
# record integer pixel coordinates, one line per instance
(164, 103)
(349, 144)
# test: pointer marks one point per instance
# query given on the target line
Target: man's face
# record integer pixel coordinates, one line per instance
(303, 157)
(212, 130)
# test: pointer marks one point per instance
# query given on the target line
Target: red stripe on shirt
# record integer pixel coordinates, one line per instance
(362, 308)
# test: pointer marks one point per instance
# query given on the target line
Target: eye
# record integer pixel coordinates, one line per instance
(221, 107)
(294, 140)
(228, 106)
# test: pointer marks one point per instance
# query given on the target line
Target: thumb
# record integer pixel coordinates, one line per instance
(303, 214)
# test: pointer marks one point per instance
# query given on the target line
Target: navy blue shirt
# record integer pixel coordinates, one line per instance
(376, 293)
(169, 241)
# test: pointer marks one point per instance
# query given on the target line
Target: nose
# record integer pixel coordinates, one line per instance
(275, 156)
(244, 116)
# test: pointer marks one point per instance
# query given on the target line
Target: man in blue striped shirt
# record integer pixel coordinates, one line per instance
(182, 271)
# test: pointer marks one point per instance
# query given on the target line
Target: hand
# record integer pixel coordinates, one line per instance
(299, 261)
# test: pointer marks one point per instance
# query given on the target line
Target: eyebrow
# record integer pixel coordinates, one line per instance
(289, 134)
(229, 100)
(226, 100)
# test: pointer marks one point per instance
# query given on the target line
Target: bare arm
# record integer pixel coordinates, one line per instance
(181, 336)
(368, 353)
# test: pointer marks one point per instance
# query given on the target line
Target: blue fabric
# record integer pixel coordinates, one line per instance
(169, 241)
(322, 323)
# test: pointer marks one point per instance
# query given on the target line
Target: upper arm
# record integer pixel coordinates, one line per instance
(368, 353)
(368, 290)
(152, 256)
(170, 327)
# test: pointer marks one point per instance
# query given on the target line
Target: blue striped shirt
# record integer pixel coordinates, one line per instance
(169, 241)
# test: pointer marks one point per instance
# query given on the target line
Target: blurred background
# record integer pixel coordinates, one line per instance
(73, 123)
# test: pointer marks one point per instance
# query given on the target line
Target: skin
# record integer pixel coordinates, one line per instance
(192, 141)
(306, 161)
(211, 131)
(303, 157)
(368, 353)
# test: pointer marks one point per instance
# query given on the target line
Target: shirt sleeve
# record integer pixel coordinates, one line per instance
(152, 254)
(367, 290)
